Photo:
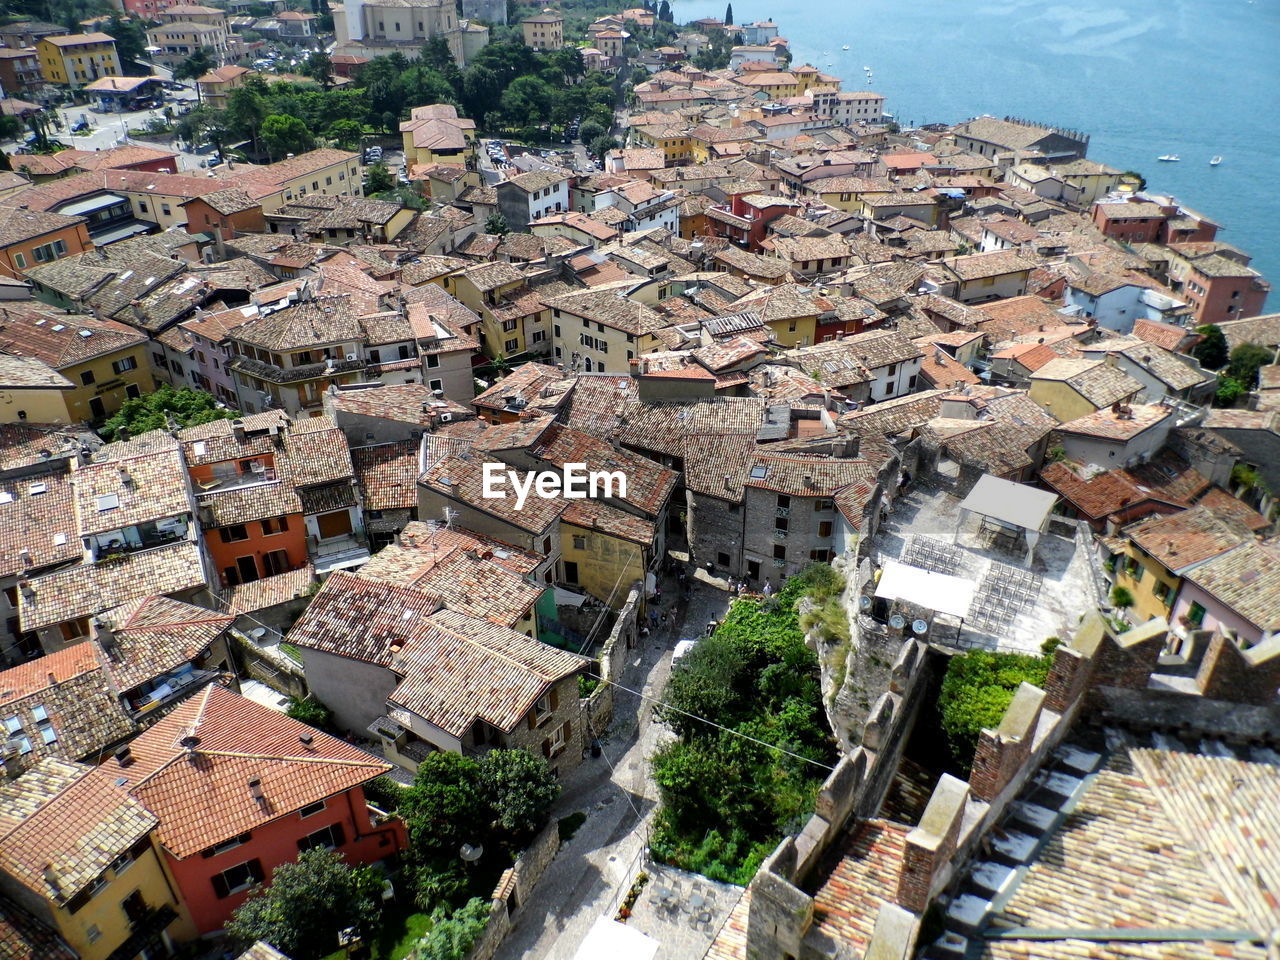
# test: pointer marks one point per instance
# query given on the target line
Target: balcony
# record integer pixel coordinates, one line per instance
(138, 537)
(338, 553)
(234, 481)
(167, 689)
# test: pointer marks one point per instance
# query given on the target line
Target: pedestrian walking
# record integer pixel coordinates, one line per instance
(768, 588)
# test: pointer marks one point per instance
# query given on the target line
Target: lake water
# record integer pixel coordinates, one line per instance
(1142, 77)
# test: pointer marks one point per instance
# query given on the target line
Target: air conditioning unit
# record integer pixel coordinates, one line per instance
(446, 417)
(352, 356)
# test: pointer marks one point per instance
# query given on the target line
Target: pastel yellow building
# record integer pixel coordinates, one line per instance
(436, 134)
(513, 319)
(604, 550)
(77, 59)
(104, 362)
(31, 391)
(676, 144)
(80, 857)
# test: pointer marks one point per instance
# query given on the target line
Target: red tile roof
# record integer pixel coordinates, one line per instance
(202, 797)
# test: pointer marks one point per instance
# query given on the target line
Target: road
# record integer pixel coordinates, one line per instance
(592, 871)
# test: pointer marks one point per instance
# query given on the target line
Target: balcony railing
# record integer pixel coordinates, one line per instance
(250, 478)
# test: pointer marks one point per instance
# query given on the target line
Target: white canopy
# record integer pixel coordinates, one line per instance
(610, 940)
(1013, 504)
(939, 592)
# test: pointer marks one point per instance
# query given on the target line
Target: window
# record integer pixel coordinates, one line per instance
(1162, 591)
(275, 525)
(823, 504)
(234, 533)
(240, 877)
(435, 385)
(327, 838)
(121, 863)
(433, 360)
(781, 523)
(124, 363)
(93, 933)
(311, 809)
(164, 209)
(20, 260)
(779, 552)
(87, 377)
(722, 559)
(820, 556)
(1195, 615)
(543, 708)
(74, 629)
(824, 528)
(784, 501)
(558, 740)
(579, 543)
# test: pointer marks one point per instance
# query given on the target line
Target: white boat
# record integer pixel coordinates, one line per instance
(845, 47)
(1215, 161)
(868, 69)
(1169, 158)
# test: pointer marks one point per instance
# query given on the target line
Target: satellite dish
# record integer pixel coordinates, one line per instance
(471, 854)
(919, 627)
(864, 602)
(897, 621)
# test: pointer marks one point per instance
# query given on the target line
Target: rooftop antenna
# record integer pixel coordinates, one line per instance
(449, 515)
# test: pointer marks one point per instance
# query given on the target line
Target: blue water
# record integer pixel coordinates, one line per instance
(1142, 77)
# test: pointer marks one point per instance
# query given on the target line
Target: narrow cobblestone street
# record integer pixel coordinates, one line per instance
(593, 870)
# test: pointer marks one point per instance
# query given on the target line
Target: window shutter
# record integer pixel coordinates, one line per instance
(568, 730)
(555, 699)
(255, 871)
(546, 748)
(220, 888)
(339, 836)
(529, 717)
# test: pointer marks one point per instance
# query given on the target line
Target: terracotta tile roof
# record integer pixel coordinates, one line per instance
(1229, 508)
(157, 634)
(596, 515)
(19, 225)
(1181, 541)
(131, 483)
(388, 474)
(1166, 479)
(1187, 822)
(848, 900)
(60, 339)
(649, 484)
(1095, 381)
(271, 591)
(23, 937)
(610, 307)
(1247, 580)
(462, 480)
(976, 266)
(70, 817)
(1105, 424)
(200, 804)
(526, 382)
(85, 590)
(361, 619)
(894, 416)
(458, 669)
(71, 694)
(37, 515)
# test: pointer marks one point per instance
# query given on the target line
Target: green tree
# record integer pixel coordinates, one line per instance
(602, 145)
(976, 691)
(130, 38)
(481, 88)
(1134, 174)
(728, 15)
(1229, 391)
(453, 935)
(308, 903)
(527, 101)
(590, 131)
(1121, 597)
(378, 179)
(496, 224)
(520, 788)
(664, 12)
(189, 408)
(445, 807)
(5, 162)
(196, 65)
(311, 712)
(1244, 363)
(284, 135)
(319, 68)
(1212, 351)
(436, 55)
(346, 134)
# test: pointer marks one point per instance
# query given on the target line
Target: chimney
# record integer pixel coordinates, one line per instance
(24, 554)
(52, 678)
(27, 590)
(238, 431)
(136, 307)
(52, 878)
(307, 739)
(124, 756)
(255, 789)
(126, 479)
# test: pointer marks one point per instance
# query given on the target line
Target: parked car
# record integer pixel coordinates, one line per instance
(80, 126)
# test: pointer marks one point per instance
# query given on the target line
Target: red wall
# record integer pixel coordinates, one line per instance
(276, 843)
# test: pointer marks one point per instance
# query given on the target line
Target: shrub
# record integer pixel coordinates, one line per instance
(976, 691)
(310, 711)
(453, 935)
(1121, 597)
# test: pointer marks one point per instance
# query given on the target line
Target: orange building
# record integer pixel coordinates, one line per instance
(226, 214)
(31, 237)
(274, 494)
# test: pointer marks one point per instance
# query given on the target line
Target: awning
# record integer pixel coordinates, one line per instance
(939, 592)
(1009, 503)
(616, 941)
(100, 202)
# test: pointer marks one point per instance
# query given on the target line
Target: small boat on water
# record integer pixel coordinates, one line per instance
(845, 47)
(868, 69)
(1169, 158)
(1215, 161)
